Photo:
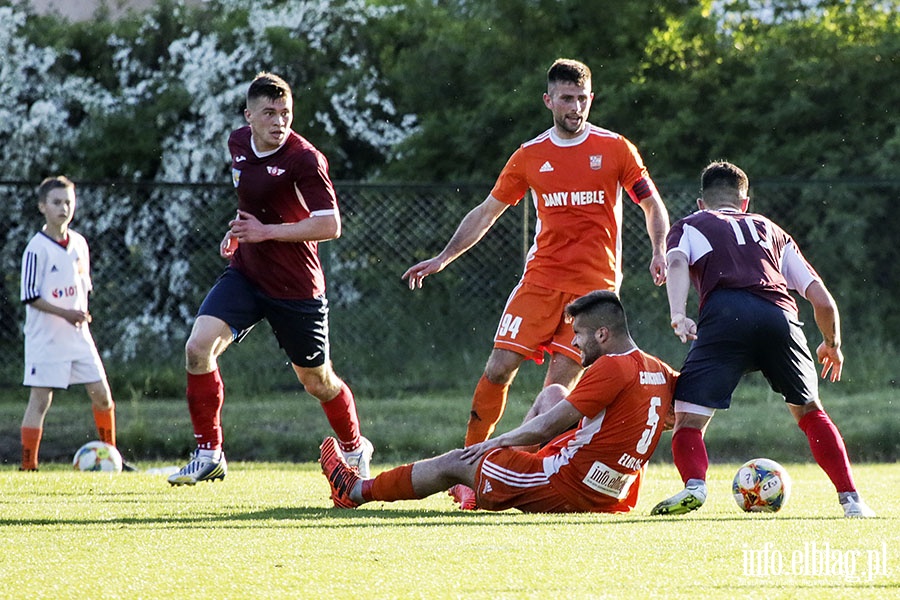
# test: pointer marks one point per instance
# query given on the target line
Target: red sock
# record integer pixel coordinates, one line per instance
(689, 453)
(205, 396)
(106, 424)
(341, 414)
(31, 443)
(389, 486)
(828, 449)
(488, 404)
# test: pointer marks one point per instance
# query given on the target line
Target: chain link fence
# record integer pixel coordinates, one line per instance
(154, 252)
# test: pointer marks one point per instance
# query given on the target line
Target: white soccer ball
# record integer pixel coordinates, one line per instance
(98, 456)
(761, 485)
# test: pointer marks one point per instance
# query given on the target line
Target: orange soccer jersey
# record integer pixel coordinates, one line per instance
(625, 399)
(576, 187)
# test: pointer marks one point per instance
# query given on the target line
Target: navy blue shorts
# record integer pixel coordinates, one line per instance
(300, 326)
(739, 332)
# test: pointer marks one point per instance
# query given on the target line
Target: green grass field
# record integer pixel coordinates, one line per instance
(290, 426)
(268, 530)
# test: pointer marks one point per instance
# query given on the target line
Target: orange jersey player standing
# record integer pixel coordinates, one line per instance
(576, 187)
(576, 173)
(598, 437)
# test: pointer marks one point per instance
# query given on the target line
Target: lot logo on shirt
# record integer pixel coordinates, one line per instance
(596, 161)
(608, 481)
(275, 171)
(236, 176)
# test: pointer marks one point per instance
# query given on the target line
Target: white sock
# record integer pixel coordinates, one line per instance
(213, 454)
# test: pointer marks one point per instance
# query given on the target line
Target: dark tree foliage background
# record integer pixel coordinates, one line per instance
(802, 94)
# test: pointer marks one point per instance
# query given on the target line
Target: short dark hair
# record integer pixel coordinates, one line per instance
(601, 308)
(53, 183)
(268, 85)
(569, 71)
(722, 182)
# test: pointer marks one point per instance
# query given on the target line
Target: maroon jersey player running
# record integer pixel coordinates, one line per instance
(743, 265)
(286, 206)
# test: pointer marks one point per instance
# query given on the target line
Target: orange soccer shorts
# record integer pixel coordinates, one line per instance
(534, 322)
(509, 478)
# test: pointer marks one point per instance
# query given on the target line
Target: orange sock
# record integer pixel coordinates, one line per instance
(392, 485)
(106, 424)
(488, 404)
(31, 442)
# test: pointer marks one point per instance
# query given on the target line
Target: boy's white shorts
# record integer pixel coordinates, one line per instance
(62, 374)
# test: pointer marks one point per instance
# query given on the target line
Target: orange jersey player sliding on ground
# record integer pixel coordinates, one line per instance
(576, 173)
(598, 437)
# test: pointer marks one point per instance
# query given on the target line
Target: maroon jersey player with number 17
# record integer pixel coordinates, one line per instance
(743, 265)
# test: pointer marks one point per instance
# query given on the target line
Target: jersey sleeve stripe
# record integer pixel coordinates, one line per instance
(30, 288)
(797, 272)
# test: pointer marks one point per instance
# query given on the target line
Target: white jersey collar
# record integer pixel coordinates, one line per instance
(268, 153)
(559, 141)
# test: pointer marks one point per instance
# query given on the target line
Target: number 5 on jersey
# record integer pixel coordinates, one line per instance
(652, 423)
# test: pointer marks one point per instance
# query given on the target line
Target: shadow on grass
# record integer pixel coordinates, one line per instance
(332, 517)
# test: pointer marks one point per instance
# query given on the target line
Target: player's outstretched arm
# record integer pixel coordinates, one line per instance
(470, 230)
(538, 430)
(657, 220)
(678, 283)
(828, 321)
(246, 228)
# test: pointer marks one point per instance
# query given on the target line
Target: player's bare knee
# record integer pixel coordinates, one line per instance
(100, 395)
(798, 411)
(320, 382)
(502, 369)
(197, 355)
(320, 388)
(102, 402)
(550, 397)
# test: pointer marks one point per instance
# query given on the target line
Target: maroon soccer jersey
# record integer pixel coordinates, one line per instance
(734, 250)
(284, 186)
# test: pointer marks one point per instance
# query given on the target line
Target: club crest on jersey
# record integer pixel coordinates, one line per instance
(236, 176)
(596, 161)
(275, 171)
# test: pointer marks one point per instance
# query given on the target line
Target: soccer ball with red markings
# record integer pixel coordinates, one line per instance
(98, 456)
(761, 485)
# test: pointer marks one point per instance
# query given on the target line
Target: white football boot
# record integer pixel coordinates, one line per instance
(200, 468)
(360, 458)
(854, 507)
(690, 498)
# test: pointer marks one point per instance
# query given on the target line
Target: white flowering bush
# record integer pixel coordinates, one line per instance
(188, 96)
(156, 105)
(37, 100)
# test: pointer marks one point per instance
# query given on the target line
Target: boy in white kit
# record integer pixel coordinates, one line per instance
(59, 349)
